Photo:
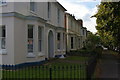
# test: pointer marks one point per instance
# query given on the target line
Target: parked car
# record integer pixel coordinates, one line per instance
(104, 48)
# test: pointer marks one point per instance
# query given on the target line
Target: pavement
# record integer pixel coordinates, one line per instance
(109, 67)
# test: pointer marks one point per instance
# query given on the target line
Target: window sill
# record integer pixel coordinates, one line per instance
(3, 52)
(30, 55)
(41, 54)
(58, 50)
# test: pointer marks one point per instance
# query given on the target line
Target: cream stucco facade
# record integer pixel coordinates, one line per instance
(83, 36)
(73, 29)
(76, 33)
(32, 33)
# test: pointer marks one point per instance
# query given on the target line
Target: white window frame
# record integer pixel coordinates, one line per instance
(32, 8)
(58, 15)
(40, 52)
(39, 39)
(71, 24)
(49, 10)
(3, 39)
(64, 41)
(30, 54)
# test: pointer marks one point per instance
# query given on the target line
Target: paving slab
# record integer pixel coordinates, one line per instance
(109, 67)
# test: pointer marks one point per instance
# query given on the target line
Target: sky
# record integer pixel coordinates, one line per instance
(82, 9)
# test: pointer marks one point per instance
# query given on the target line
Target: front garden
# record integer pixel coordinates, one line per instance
(69, 67)
(78, 65)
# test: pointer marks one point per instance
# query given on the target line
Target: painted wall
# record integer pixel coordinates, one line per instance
(16, 28)
(9, 57)
(73, 30)
(40, 11)
(8, 7)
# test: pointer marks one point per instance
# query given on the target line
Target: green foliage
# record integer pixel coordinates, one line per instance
(108, 23)
(98, 50)
(81, 52)
(92, 41)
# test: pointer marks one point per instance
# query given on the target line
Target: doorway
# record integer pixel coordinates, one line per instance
(50, 44)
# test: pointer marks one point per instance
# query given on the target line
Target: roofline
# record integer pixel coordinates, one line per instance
(84, 28)
(61, 6)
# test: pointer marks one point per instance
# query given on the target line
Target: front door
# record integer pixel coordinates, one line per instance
(50, 45)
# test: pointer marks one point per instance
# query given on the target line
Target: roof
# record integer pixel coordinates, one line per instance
(84, 28)
(61, 6)
(71, 15)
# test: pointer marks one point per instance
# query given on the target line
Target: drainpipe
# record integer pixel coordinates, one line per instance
(66, 40)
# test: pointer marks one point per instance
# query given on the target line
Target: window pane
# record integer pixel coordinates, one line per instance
(58, 13)
(40, 46)
(58, 40)
(39, 33)
(63, 40)
(58, 36)
(3, 43)
(71, 42)
(58, 44)
(2, 37)
(79, 42)
(32, 6)
(30, 38)
(30, 31)
(83, 32)
(30, 45)
(0, 31)
(39, 39)
(3, 31)
(49, 9)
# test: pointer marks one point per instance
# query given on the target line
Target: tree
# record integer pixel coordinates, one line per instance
(92, 41)
(108, 22)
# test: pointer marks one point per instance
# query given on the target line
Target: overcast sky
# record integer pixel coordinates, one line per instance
(82, 9)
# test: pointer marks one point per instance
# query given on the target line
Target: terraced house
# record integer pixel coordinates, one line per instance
(73, 32)
(31, 31)
(76, 33)
(83, 36)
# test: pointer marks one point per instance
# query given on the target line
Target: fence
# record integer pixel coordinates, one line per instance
(44, 72)
(90, 69)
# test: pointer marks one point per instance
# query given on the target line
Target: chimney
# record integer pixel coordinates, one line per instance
(81, 22)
